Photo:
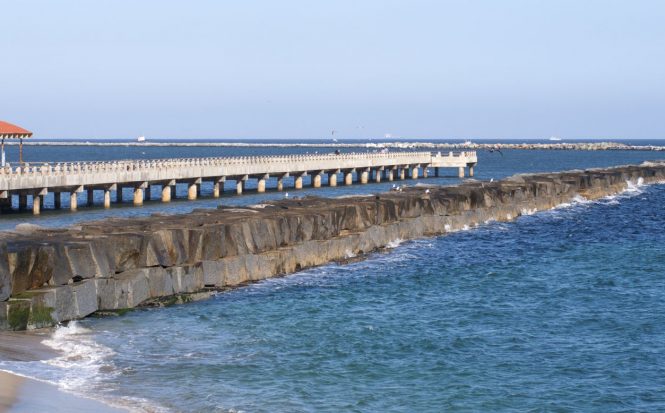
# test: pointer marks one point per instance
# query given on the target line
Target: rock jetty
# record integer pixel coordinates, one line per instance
(378, 145)
(48, 276)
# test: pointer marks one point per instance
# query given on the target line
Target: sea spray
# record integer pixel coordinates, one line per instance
(83, 360)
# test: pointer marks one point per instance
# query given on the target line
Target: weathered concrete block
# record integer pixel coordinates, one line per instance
(214, 272)
(85, 297)
(81, 261)
(5, 275)
(160, 282)
(187, 279)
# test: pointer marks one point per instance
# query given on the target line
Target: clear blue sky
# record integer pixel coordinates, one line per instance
(298, 69)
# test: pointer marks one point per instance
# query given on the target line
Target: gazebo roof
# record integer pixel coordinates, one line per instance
(9, 131)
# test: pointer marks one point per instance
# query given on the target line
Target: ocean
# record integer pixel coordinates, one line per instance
(562, 310)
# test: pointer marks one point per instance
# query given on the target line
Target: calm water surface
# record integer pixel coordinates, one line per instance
(563, 310)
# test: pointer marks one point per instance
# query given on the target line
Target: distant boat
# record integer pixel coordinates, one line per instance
(555, 138)
(140, 139)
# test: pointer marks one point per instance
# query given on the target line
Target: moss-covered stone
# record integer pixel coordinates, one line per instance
(40, 316)
(112, 313)
(18, 314)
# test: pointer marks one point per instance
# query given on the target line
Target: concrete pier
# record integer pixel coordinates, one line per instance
(38, 179)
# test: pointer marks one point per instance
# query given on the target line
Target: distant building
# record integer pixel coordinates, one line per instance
(9, 131)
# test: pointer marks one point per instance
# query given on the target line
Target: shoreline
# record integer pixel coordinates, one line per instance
(19, 393)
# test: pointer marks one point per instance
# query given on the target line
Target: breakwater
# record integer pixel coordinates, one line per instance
(49, 276)
(399, 145)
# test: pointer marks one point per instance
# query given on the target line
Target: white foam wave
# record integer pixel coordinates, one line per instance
(394, 243)
(83, 360)
(635, 187)
(349, 254)
(528, 211)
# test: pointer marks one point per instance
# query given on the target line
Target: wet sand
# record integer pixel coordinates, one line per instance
(23, 395)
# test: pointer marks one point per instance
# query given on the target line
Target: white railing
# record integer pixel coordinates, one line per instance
(83, 167)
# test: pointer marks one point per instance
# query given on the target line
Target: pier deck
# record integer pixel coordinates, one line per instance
(36, 180)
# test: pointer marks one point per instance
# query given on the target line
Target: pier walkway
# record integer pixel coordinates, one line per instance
(36, 180)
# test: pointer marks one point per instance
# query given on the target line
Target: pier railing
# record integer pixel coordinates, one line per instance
(38, 179)
(78, 167)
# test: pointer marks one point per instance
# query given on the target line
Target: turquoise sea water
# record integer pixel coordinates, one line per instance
(563, 310)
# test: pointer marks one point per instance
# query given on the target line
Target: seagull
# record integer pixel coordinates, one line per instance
(427, 191)
(286, 195)
(491, 179)
(490, 150)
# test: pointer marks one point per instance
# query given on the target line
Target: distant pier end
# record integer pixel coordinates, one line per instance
(147, 178)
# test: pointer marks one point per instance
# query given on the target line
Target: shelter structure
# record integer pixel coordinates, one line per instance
(9, 131)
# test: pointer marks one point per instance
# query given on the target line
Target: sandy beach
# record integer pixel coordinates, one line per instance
(24, 395)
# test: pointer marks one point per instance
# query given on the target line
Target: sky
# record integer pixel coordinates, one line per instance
(117, 69)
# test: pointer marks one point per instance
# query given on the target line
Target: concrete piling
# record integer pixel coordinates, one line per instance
(73, 201)
(138, 196)
(332, 179)
(107, 198)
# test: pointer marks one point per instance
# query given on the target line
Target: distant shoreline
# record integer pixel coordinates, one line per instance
(579, 146)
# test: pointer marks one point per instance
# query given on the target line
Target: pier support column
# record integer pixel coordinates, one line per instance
(239, 187)
(22, 202)
(261, 185)
(91, 197)
(316, 181)
(377, 175)
(364, 176)
(36, 204)
(166, 193)
(73, 201)
(280, 183)
(298, 182)
(390, 174)
(138, 196)
(6, 204)
(425, 172)
(414, 172)
(471, 170)
(348, 178)
(402, 173)
(192, 191)
(107, 198)
(460, 172)
(57, 200)
(218, 187)
(332, 179)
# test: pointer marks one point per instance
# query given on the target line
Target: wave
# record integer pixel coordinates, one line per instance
(83, 369)
(83, 360)
(634, 187)
(394, 243)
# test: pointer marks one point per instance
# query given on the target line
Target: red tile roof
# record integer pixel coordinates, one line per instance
(9, 130)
